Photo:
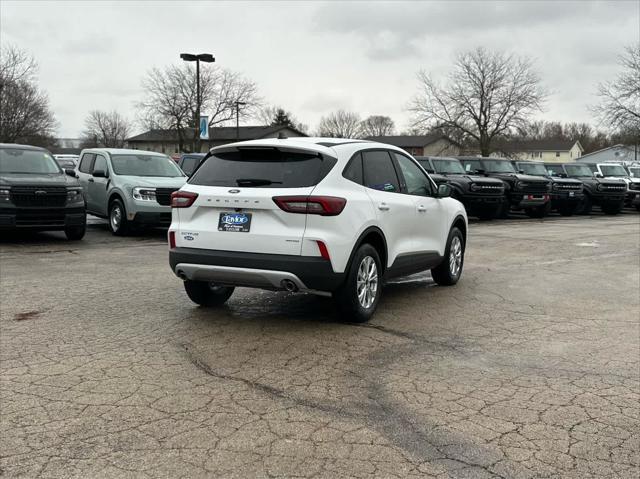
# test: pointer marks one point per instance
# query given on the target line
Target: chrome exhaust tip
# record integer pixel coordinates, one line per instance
(289, 285)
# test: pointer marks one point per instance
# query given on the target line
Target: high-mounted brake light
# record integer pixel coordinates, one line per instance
(182, 199)
(313, 205)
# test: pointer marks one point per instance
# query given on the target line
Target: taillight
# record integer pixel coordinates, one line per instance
(313, 205)
(172, 239)
(182, 199)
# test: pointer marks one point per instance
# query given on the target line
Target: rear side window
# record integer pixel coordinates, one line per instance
(379, 172)
(263, 168)
(189, 164)
(86, 164)
(353, 171)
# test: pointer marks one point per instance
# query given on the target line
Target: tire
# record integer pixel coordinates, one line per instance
(207, 294)
(611, 209)
(449, 271)
(503, 212)
(75, 233)
(567, 210)
(354, 307)
(585, 206)
(118, 222)
(486, 214)
(538, 211)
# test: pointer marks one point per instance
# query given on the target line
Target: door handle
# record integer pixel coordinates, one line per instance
(383, 207)
(422, 208)
(90, 180)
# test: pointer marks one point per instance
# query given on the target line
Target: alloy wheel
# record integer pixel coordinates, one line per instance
(455, 256)
(367, 282)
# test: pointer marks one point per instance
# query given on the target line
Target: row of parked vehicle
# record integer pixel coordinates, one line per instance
(132, 188)
(326, 216)
(491, 187)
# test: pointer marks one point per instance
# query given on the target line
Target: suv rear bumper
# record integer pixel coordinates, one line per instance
(258, 270)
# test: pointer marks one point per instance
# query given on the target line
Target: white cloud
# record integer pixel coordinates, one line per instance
(311, 57)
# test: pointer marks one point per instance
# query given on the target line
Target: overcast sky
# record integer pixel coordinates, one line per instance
(314, 57)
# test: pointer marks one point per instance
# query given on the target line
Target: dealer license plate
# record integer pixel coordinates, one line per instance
(235, 222)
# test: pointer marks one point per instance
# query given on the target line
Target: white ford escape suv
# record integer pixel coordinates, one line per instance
(332, 217)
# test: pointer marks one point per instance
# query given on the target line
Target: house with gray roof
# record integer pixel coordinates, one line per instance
(546, 150)
(166, 141)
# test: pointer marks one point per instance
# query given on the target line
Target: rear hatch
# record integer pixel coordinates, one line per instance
(235, 209)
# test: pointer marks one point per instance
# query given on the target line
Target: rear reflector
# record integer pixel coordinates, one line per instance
(313, 205)
(182, 199)
(324, 252)
(172, 239)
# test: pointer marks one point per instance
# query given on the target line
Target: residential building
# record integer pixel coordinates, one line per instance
(617, 153)
(432, 144)
(166, 141)
(545, 150)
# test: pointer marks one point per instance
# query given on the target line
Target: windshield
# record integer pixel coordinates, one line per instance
(497, 166)
(555, 170)
(448, 166)
(19, 160)
(613, 170)
(262, 168)
(634, 171)
(145, 165)
(578, 170)
(535, 169)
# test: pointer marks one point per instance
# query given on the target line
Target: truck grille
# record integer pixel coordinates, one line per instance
(163, 195)
(534, 187)
(50, 196)
(613, 187)
(487, 188)
(568, 186)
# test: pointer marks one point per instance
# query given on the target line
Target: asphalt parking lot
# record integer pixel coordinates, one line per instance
(529, 367)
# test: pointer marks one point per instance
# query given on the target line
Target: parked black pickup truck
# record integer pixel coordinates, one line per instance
(530, 193)
(607, 194)
(481, 196)
(36, 194)
(566, 193)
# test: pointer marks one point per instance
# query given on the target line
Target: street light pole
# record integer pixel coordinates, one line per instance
(238, 103)
(207, 58)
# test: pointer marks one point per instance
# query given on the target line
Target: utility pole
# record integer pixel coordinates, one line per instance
(238, 103)
(201, 57)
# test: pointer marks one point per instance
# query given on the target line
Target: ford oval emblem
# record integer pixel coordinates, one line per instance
(189, 238)
(40, 192)
(234, 191)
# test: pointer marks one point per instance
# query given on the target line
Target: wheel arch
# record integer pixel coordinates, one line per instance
(375, 237)
(460, 223)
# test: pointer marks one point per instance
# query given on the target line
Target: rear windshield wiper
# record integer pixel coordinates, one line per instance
(256, 182)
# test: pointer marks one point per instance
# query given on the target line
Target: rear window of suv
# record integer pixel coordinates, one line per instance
(263, 168)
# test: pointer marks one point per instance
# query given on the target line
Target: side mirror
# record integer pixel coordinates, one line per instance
(70, 172)
(521, 172)
(480, 172)
(99, 174)
(597, 175)
(444, 191)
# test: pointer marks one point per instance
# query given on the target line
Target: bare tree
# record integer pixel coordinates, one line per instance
(105, 129)
(25, 114)
(340, 124)
(171, 99)
(487, 95)
(377, 125)
(619, 106)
